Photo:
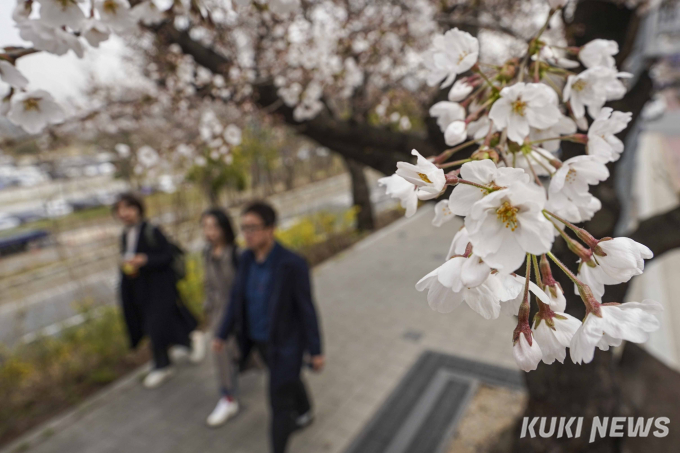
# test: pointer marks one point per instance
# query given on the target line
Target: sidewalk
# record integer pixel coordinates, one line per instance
(375, 327)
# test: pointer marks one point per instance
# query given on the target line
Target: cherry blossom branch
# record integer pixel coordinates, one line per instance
(575, 247)
(477, 70)
(541, 164)
(454, 163)
(580, 232)
(523, 314)
(11, 54)
(537, 271)
(441, 158)
(566, 270)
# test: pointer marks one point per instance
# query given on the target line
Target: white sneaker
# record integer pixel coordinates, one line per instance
(305, 420)
(157, 377)
(198, 346)
(224, 410)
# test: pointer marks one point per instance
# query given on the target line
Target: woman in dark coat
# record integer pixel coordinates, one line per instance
(148, 287)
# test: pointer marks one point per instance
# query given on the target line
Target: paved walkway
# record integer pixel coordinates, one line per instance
(375, 326)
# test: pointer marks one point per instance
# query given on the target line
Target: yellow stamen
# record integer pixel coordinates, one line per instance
(110, 6)
(31, 104)
(507, 214)
(519, 107)
(579, 85)
(424, 177)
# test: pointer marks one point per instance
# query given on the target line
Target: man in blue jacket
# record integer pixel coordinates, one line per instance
(271, 311)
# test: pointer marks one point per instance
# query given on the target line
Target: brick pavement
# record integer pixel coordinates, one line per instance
(375, 326)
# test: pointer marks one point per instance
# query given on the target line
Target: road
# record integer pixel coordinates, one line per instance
(49, 309)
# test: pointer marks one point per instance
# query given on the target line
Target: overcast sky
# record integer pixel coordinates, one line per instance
(63, 76)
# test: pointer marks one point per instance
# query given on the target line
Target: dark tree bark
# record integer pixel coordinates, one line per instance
(361, 195)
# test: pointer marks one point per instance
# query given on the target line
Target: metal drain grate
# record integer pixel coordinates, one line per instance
(421, 414)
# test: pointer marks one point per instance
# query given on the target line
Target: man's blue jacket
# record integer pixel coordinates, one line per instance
(293, 322)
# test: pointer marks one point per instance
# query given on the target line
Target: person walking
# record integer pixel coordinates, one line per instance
(272, 312)
(220, 261)
(148, 291)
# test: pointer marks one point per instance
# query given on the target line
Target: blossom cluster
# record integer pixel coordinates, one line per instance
(62, 26)
(516, 194)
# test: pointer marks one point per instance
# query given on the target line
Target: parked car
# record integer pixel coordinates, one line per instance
(21, 242)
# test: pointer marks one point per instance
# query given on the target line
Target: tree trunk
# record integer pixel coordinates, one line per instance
(361, 196)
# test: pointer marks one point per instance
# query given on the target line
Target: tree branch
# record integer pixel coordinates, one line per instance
(468, 22)
(377, 147)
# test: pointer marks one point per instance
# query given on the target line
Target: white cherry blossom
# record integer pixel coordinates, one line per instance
(442, 213)
(511, 306)
(576, 174)
(617, 261)
(592, 88)
(34, 110)
(630, 321)
(455, 133)
(525, 105)
(11, 75)
(147, 156)
(551, 56)
(507, 224)
(448, 287)
(480, 128)
(460, 90)
(116, 14)
(459, 243)
(95, 32)
(147, 13)
(575, 211)
(426, 176)
(398, 187)
(21, 11)
(564, 126)
(452, 53)
(486, 173)
(49, 39)
(446, 113)
(554, 335)
(232, 135)
(57, 13)
(599, 53)
(527, 356)
(602, 140)
(533, 161)
(558, 302)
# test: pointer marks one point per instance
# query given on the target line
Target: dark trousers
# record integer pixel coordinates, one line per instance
(288, 402)
(161, 358)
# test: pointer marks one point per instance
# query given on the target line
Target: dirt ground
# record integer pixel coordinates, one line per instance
(486, 424)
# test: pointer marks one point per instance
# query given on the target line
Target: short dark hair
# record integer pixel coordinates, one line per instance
(263, 210)
(224, 223)
(130, 199)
